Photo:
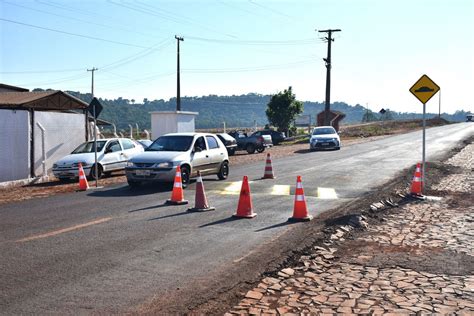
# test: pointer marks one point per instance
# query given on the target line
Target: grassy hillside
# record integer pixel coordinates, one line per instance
(236, 111)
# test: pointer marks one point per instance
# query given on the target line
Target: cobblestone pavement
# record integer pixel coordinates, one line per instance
(419, 260)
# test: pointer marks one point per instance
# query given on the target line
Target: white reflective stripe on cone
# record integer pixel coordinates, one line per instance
(299, 185)
(178, 184)
(199, 179)
(417, 179)
(300, 198)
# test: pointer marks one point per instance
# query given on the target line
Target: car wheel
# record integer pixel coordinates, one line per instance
(250, 148)
(261, 149)
(99, 172)
(185, 176)
(224, 171)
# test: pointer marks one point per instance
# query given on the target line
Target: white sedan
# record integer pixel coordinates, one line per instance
(324, 137)
(112, 155)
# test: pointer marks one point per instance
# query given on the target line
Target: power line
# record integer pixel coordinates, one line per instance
(179, 19)
(113, 65)
(270, 9)
(306, 41)
(60, 80)
(76, 19)
(252, 69)
(133, 57)
(150, 10)
(72, 34)
(39, 71)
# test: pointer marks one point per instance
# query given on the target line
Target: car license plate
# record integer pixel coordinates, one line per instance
(142, 172)
(324, 144)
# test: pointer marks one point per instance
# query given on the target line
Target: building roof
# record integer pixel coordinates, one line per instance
(12, 88)
(43, 100)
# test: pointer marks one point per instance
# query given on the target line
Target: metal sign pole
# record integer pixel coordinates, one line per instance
(95, 150)
(423, 179)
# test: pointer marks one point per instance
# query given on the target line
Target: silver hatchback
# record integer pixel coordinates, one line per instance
(193, 152)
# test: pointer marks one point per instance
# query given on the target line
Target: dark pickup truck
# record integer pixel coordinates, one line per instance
(253, 142)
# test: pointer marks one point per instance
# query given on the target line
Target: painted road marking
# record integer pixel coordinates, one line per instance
(279, 189)
(327, 193)
(233, 188)
(65, 230)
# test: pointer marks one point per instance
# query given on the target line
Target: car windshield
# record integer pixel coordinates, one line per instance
(323, 131)
(89, 147)
(171, 143)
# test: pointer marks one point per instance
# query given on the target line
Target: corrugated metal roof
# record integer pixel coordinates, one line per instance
(41, 100)
(12, 88)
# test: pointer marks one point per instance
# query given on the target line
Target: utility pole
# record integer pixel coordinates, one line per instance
(367, 112)
(95, 130)
(328, 74)
(178, 95)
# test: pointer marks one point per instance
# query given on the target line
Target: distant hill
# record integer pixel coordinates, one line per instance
(236, 111)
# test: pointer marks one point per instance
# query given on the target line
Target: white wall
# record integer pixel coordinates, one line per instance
(14, 145)
(63, 133)
(171, 122)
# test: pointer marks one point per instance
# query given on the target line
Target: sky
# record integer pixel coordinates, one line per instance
(234, 47)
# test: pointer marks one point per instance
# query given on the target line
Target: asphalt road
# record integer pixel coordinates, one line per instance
(113, 249)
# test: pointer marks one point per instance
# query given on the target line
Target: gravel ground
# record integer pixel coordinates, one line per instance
(418, 259)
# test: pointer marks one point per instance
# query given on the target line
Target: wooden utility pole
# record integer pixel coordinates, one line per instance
(328, 75)
(178, 92)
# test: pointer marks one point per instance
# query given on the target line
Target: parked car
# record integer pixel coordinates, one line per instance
(251, 143)
(193, 152)
(277, 137)
(229, 142)
(112, 155)
(144, 142)
(324, 137)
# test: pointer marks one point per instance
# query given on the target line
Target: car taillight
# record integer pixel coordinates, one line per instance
(260, 138)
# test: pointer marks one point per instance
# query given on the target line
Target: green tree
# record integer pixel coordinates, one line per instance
(282, 109)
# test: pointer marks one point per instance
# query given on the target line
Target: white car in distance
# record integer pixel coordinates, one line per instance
(324, 137)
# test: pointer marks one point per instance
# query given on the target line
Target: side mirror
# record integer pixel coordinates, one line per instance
(108, 150)
(197, 149)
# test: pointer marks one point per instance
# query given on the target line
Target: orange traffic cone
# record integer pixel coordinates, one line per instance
(268, 174)
(177, 196)
(83, 184)
(200, 200)
(244, 209)
(417, 182)
(300, 211)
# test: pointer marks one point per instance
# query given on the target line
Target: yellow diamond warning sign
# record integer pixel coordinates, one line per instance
(424, 89)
